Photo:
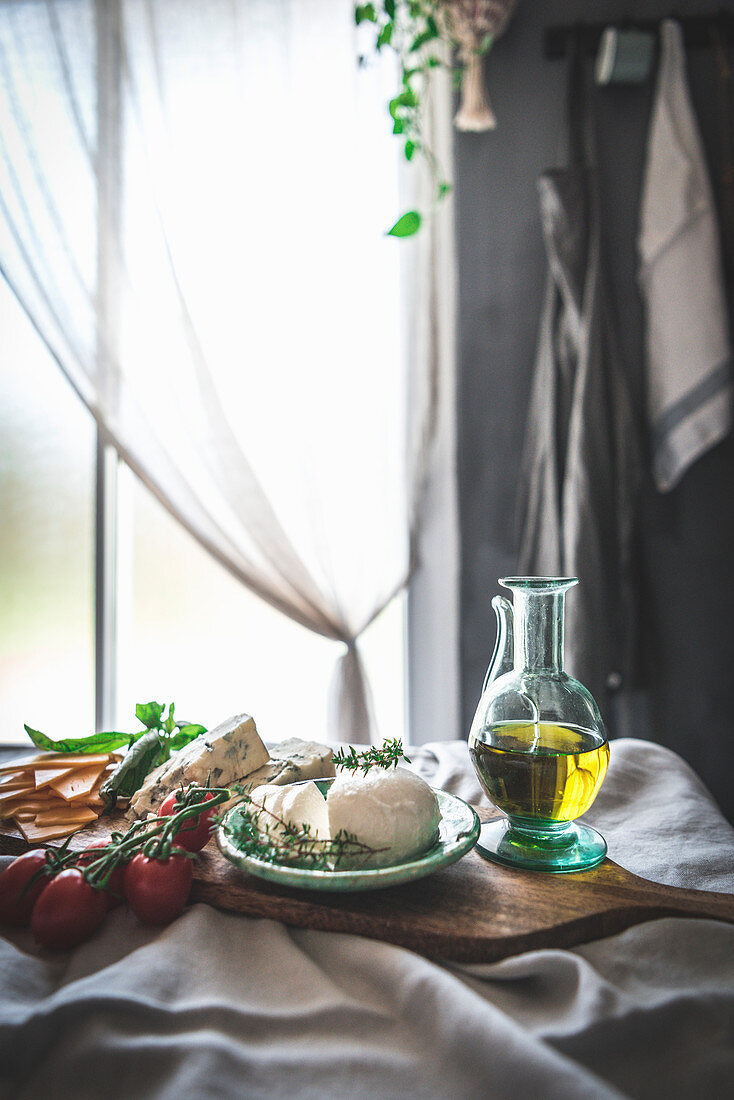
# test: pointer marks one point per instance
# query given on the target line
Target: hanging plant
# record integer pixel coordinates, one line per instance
(418, 31)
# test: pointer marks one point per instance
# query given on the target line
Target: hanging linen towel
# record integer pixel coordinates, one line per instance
(689, 378)
(578, 479)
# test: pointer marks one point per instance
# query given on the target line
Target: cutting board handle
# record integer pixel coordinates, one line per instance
(673, 901)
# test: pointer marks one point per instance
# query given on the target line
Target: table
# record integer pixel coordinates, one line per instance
(217, 1005)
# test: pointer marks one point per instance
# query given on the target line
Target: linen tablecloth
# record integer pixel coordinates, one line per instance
(217, 1005)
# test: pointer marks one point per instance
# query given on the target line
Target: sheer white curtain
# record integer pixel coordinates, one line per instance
(193, 199)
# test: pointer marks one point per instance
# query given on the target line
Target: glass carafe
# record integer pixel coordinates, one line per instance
(537, 742)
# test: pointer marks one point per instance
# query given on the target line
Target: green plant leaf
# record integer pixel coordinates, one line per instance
(422, 40)
(96, 742)
(390, 8)
(406, 226)
(383, 38)
(396, 107)
(365, 13)
(150, 714)
(170, 723)
(185, 734)
(402, 104)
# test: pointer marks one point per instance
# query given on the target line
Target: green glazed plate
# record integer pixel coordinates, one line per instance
(458, 831)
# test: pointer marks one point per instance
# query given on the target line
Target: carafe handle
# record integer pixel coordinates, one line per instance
(502, 658)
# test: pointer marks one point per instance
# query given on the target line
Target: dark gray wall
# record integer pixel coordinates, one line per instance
(685, 695)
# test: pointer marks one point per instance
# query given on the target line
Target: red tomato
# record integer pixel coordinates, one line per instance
(68, 911)
(157, 889)
(195, 833)
(115, 888)
(15, 909)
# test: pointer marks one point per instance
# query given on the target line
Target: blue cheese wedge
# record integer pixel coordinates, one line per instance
(292, 761)
(223, 756)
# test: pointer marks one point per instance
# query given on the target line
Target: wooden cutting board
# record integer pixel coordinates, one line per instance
(473, 911)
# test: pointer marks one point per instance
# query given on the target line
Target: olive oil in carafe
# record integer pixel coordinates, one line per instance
(541, 772)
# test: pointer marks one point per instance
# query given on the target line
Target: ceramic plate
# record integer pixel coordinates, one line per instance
(457, 834)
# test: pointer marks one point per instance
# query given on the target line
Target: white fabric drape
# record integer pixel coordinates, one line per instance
(195, 226)
(688, 352)
(218, 1005)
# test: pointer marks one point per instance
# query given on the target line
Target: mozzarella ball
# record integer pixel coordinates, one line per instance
(391, 810)
(292, 804)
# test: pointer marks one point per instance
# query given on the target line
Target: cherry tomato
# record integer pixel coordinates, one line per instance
(157, 889)
(68, 911)
(15, 906)
(195, 833)
(115, 888)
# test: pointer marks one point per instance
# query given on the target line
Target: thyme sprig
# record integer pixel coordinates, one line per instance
(262, 834)
(386, 755)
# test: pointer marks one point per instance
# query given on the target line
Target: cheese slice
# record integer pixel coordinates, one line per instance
(44, 777)
(32, 832)
(23, 784)
(29, 804)
(19, 776)
(80, 782)
(65, 815)
(222, 756)
(76, 760)
(24, 765)
(33, 800)
(15, 792)
(9, 809)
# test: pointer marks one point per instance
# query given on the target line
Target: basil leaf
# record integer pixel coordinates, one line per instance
(150, 714)
(96, 742)
(185, 735)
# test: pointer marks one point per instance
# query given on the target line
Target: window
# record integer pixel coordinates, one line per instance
(187, 630)
(47, 452)
(192, 633)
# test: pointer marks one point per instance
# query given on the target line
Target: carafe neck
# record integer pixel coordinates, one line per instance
(538, 642)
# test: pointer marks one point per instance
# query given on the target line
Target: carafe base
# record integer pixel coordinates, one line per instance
(568, 847)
